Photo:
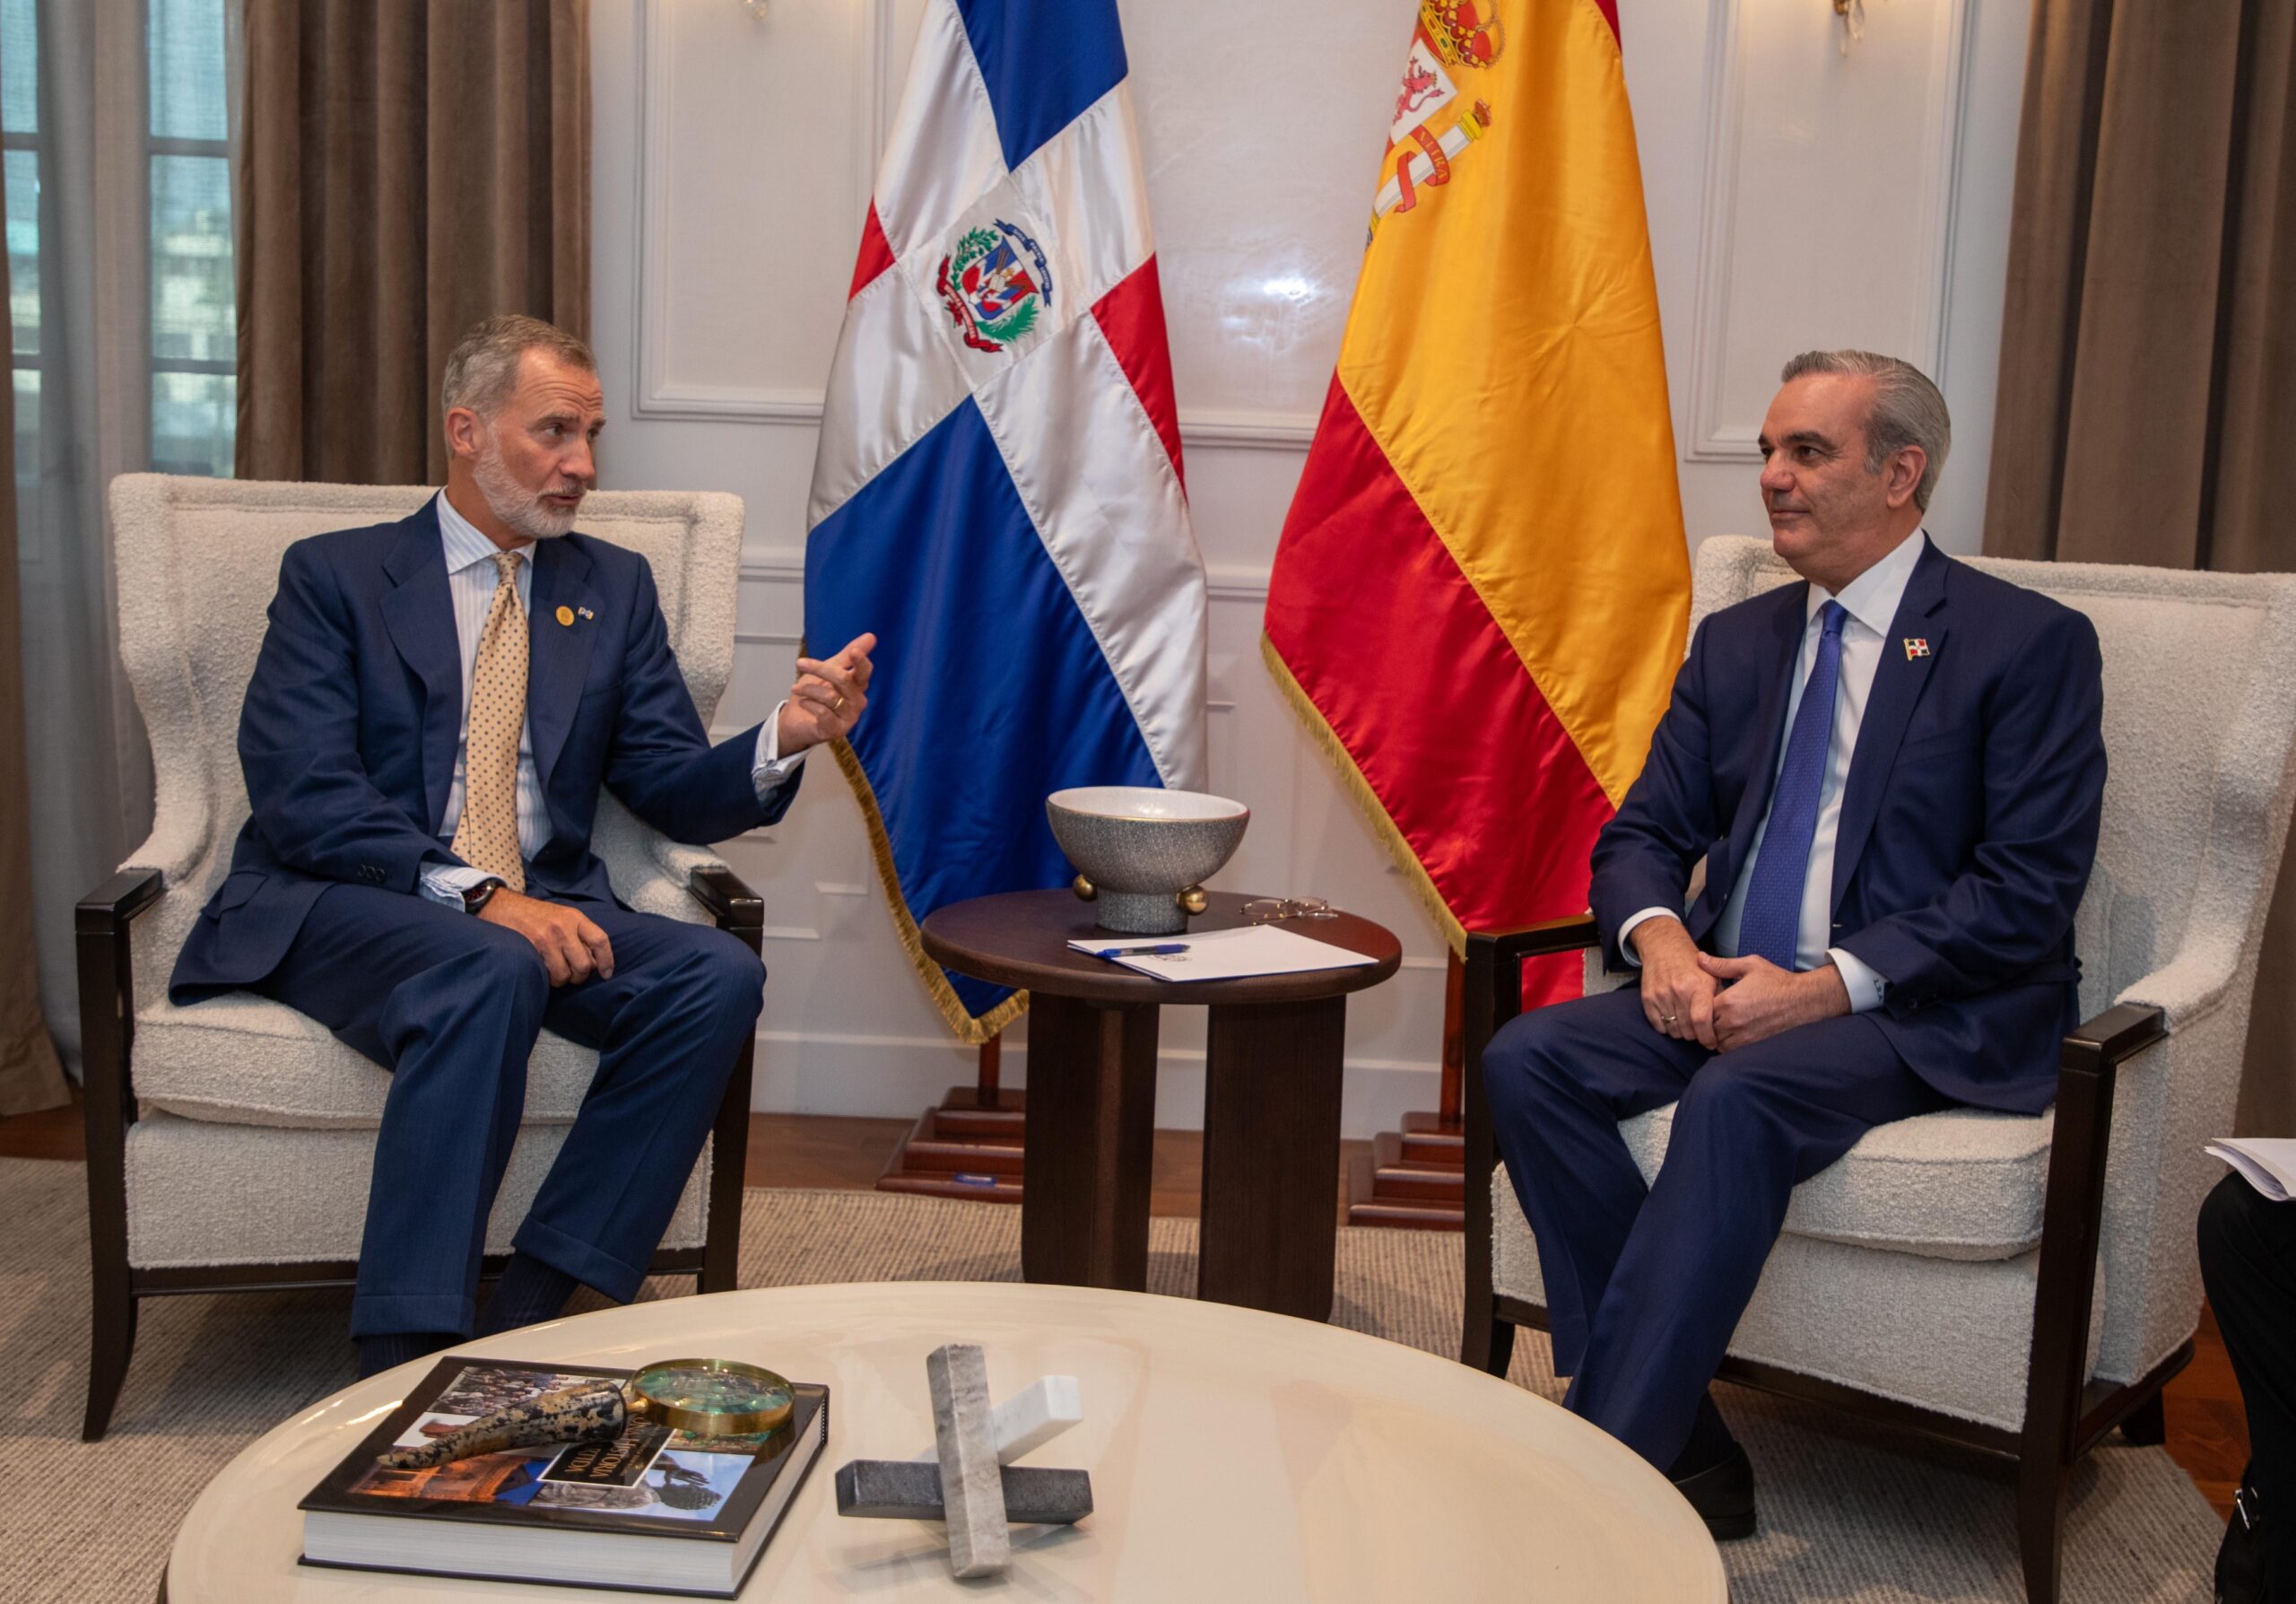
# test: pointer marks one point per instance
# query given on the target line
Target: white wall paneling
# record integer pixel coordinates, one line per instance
(1860, 201)
(1828, 212)
(736, 329)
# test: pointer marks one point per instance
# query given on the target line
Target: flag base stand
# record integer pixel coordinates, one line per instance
(968, 1146)
(1414, 1178)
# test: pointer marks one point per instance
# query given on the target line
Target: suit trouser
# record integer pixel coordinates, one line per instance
(451, 1006)
(1645, 1284)
(2247, 1262)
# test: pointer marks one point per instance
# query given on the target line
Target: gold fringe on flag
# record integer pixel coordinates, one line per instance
(1320, 731)
(969, 1030)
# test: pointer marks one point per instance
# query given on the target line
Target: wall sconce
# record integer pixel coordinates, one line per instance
(1852, 14)
(756, 9)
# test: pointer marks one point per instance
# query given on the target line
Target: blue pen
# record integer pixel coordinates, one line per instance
(1141, 952)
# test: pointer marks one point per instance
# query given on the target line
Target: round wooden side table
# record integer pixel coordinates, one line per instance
(1271, 1098)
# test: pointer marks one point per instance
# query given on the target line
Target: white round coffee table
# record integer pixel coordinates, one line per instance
(1234, 1455)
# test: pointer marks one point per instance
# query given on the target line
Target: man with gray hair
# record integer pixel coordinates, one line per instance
(438, 705)
(1893, 772)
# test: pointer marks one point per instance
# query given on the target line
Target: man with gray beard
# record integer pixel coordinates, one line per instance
(438, 704)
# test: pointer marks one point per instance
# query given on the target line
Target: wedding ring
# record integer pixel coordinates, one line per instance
(1666, 1019)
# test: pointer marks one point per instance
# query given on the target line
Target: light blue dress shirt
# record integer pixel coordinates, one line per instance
(472, 579)
(1871, 600)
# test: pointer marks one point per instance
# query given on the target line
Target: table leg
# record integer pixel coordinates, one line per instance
(1271, 1155)
(1092, 1128)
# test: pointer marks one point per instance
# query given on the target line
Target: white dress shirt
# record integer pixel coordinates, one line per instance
(1871, 600)
(472, 579)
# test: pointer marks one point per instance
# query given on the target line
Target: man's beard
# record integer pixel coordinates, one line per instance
(524, 512)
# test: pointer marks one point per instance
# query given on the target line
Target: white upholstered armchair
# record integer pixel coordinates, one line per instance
(2020, 1285)
(230, 1143)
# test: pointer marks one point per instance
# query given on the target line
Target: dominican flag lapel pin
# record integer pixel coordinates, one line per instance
(1915, 646)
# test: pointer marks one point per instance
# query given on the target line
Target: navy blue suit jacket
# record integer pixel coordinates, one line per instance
(348, 734)
(1968, 820)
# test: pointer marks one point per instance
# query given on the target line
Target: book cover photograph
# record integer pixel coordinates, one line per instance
(547, 1512)
(648, 1472)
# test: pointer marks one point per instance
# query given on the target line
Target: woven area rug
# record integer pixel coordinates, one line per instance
(1847, 1514)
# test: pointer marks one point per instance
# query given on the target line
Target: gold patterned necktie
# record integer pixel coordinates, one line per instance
(486, 836)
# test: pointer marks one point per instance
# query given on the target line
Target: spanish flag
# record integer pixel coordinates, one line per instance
(1479, 597)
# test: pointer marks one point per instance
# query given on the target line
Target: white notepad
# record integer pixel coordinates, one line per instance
(1222, 955)
(2268, 1163)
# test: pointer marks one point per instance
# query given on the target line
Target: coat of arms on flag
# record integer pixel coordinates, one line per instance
(1435, 119)
(993, 283)
(997, 489)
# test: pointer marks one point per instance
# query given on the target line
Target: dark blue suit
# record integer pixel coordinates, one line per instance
(1969, 822)
(347, 739)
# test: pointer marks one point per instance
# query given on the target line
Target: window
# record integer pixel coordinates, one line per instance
(194, 328)
(20, 149)
(187, 208)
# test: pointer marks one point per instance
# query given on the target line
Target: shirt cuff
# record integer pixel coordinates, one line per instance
(1865, 987)
(771, 770)
(1625, 948)
(445, 882)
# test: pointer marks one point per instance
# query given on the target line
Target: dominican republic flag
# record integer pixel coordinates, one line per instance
(998, 493)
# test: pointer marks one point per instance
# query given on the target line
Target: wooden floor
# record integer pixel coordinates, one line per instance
(2207, 1432)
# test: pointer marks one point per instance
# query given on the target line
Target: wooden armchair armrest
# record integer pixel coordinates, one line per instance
(1494, 968)
(2113, 1037)
(727, 899)
(107, 998)
(1570, 935)
(110, 907)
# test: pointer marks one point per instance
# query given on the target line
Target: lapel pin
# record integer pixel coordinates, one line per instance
(566, 616)
(586, 613)
(1915, 646)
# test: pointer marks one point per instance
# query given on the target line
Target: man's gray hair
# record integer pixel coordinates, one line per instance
(483, 369)
(1908, 410)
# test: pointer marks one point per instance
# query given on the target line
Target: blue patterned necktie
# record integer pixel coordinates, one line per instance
(1769, 924)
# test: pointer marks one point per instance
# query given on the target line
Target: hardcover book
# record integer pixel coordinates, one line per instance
(654, 1510)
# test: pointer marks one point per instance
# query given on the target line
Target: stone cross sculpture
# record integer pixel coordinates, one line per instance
(971, 1481)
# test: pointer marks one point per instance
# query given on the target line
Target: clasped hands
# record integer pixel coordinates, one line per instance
(823, 705)
(1723, 1004)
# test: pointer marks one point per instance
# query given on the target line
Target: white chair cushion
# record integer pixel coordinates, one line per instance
(200, 1193)
(1945, 1334)
(242, 1059)
(1963, 1184)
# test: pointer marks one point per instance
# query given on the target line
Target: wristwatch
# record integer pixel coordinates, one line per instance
(474, 897)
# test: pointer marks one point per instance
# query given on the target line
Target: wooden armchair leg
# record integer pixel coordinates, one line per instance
(721, 1247)
(111, 1341)
(738, 909)
(1495, 1350)
(2041, 1525)
(2147, 1425)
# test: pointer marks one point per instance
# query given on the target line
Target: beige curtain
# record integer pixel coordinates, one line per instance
(408, 168)
(30, 1075)
(2147, 401)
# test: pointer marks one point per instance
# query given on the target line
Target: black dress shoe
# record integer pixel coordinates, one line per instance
(1723, 1495)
